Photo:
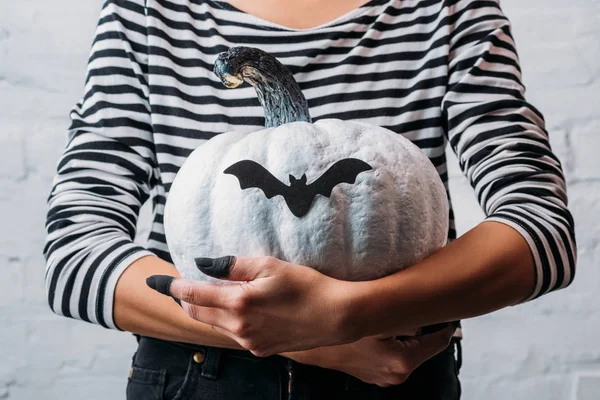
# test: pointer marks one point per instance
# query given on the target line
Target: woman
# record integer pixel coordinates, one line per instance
(431, 70)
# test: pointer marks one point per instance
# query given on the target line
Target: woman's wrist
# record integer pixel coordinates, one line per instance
(348, 300)
(358, 302)
(363, 301)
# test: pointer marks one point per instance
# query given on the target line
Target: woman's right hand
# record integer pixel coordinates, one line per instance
(383, 362)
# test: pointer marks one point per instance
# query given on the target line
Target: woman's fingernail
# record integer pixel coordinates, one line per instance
(204, 262)
(215, 267)
(160, 283)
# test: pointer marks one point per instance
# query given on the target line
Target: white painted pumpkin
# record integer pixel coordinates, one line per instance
(392, 216)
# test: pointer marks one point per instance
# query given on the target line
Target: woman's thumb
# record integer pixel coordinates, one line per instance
(230, 268)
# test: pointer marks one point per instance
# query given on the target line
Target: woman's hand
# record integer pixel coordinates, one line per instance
(268, 307)
(142, 311)
(383, 362)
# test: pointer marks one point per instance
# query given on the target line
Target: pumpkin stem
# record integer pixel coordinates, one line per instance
(278, 92)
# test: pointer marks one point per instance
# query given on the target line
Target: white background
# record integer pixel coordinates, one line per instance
(547, 350)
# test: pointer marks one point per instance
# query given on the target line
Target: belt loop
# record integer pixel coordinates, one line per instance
(459, 360)
(210, 367)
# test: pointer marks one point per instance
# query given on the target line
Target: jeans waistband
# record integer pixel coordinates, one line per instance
(152, 347)
(175, 353)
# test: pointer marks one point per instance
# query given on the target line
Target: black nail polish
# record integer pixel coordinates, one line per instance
(160, 283)
(204, 262)
(215, 267)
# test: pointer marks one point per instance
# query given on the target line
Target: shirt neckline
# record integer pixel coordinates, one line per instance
(344, 18)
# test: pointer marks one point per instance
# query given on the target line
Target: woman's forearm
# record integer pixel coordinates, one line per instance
(144, 311)
(141, 310)
(488, 268)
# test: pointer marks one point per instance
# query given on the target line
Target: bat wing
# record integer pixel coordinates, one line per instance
(251, 174)
(343, 171)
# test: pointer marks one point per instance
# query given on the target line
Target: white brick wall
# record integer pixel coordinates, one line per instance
(546, 350)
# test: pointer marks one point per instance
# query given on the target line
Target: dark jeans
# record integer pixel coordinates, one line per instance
(164, 370)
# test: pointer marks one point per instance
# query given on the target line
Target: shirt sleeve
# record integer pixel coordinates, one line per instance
(105, 174)
(501, 143)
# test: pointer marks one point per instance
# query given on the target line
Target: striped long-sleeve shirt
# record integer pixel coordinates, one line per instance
(434, 71)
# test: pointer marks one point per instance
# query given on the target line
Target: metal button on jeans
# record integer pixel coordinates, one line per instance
(198, 357)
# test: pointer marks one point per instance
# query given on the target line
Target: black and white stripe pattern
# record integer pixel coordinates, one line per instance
(432, 70)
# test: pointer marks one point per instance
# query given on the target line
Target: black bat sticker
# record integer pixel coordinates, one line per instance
(298, 195)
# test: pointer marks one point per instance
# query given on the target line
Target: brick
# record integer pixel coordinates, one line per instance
(564, 71)
(589, 53)
(23, 212)
(12, 154)
(587, 387)
(64, 350)
(585, 140)
(567, 105)
(524, 341)
(34, 292)
(11, 352)
(560, 143)
(13, 276)
(82, 387)
(44, 145)
(547, 387)
(584, 203)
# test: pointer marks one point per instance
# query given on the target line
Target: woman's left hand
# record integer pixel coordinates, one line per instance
(383, 362)
(269, 306)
